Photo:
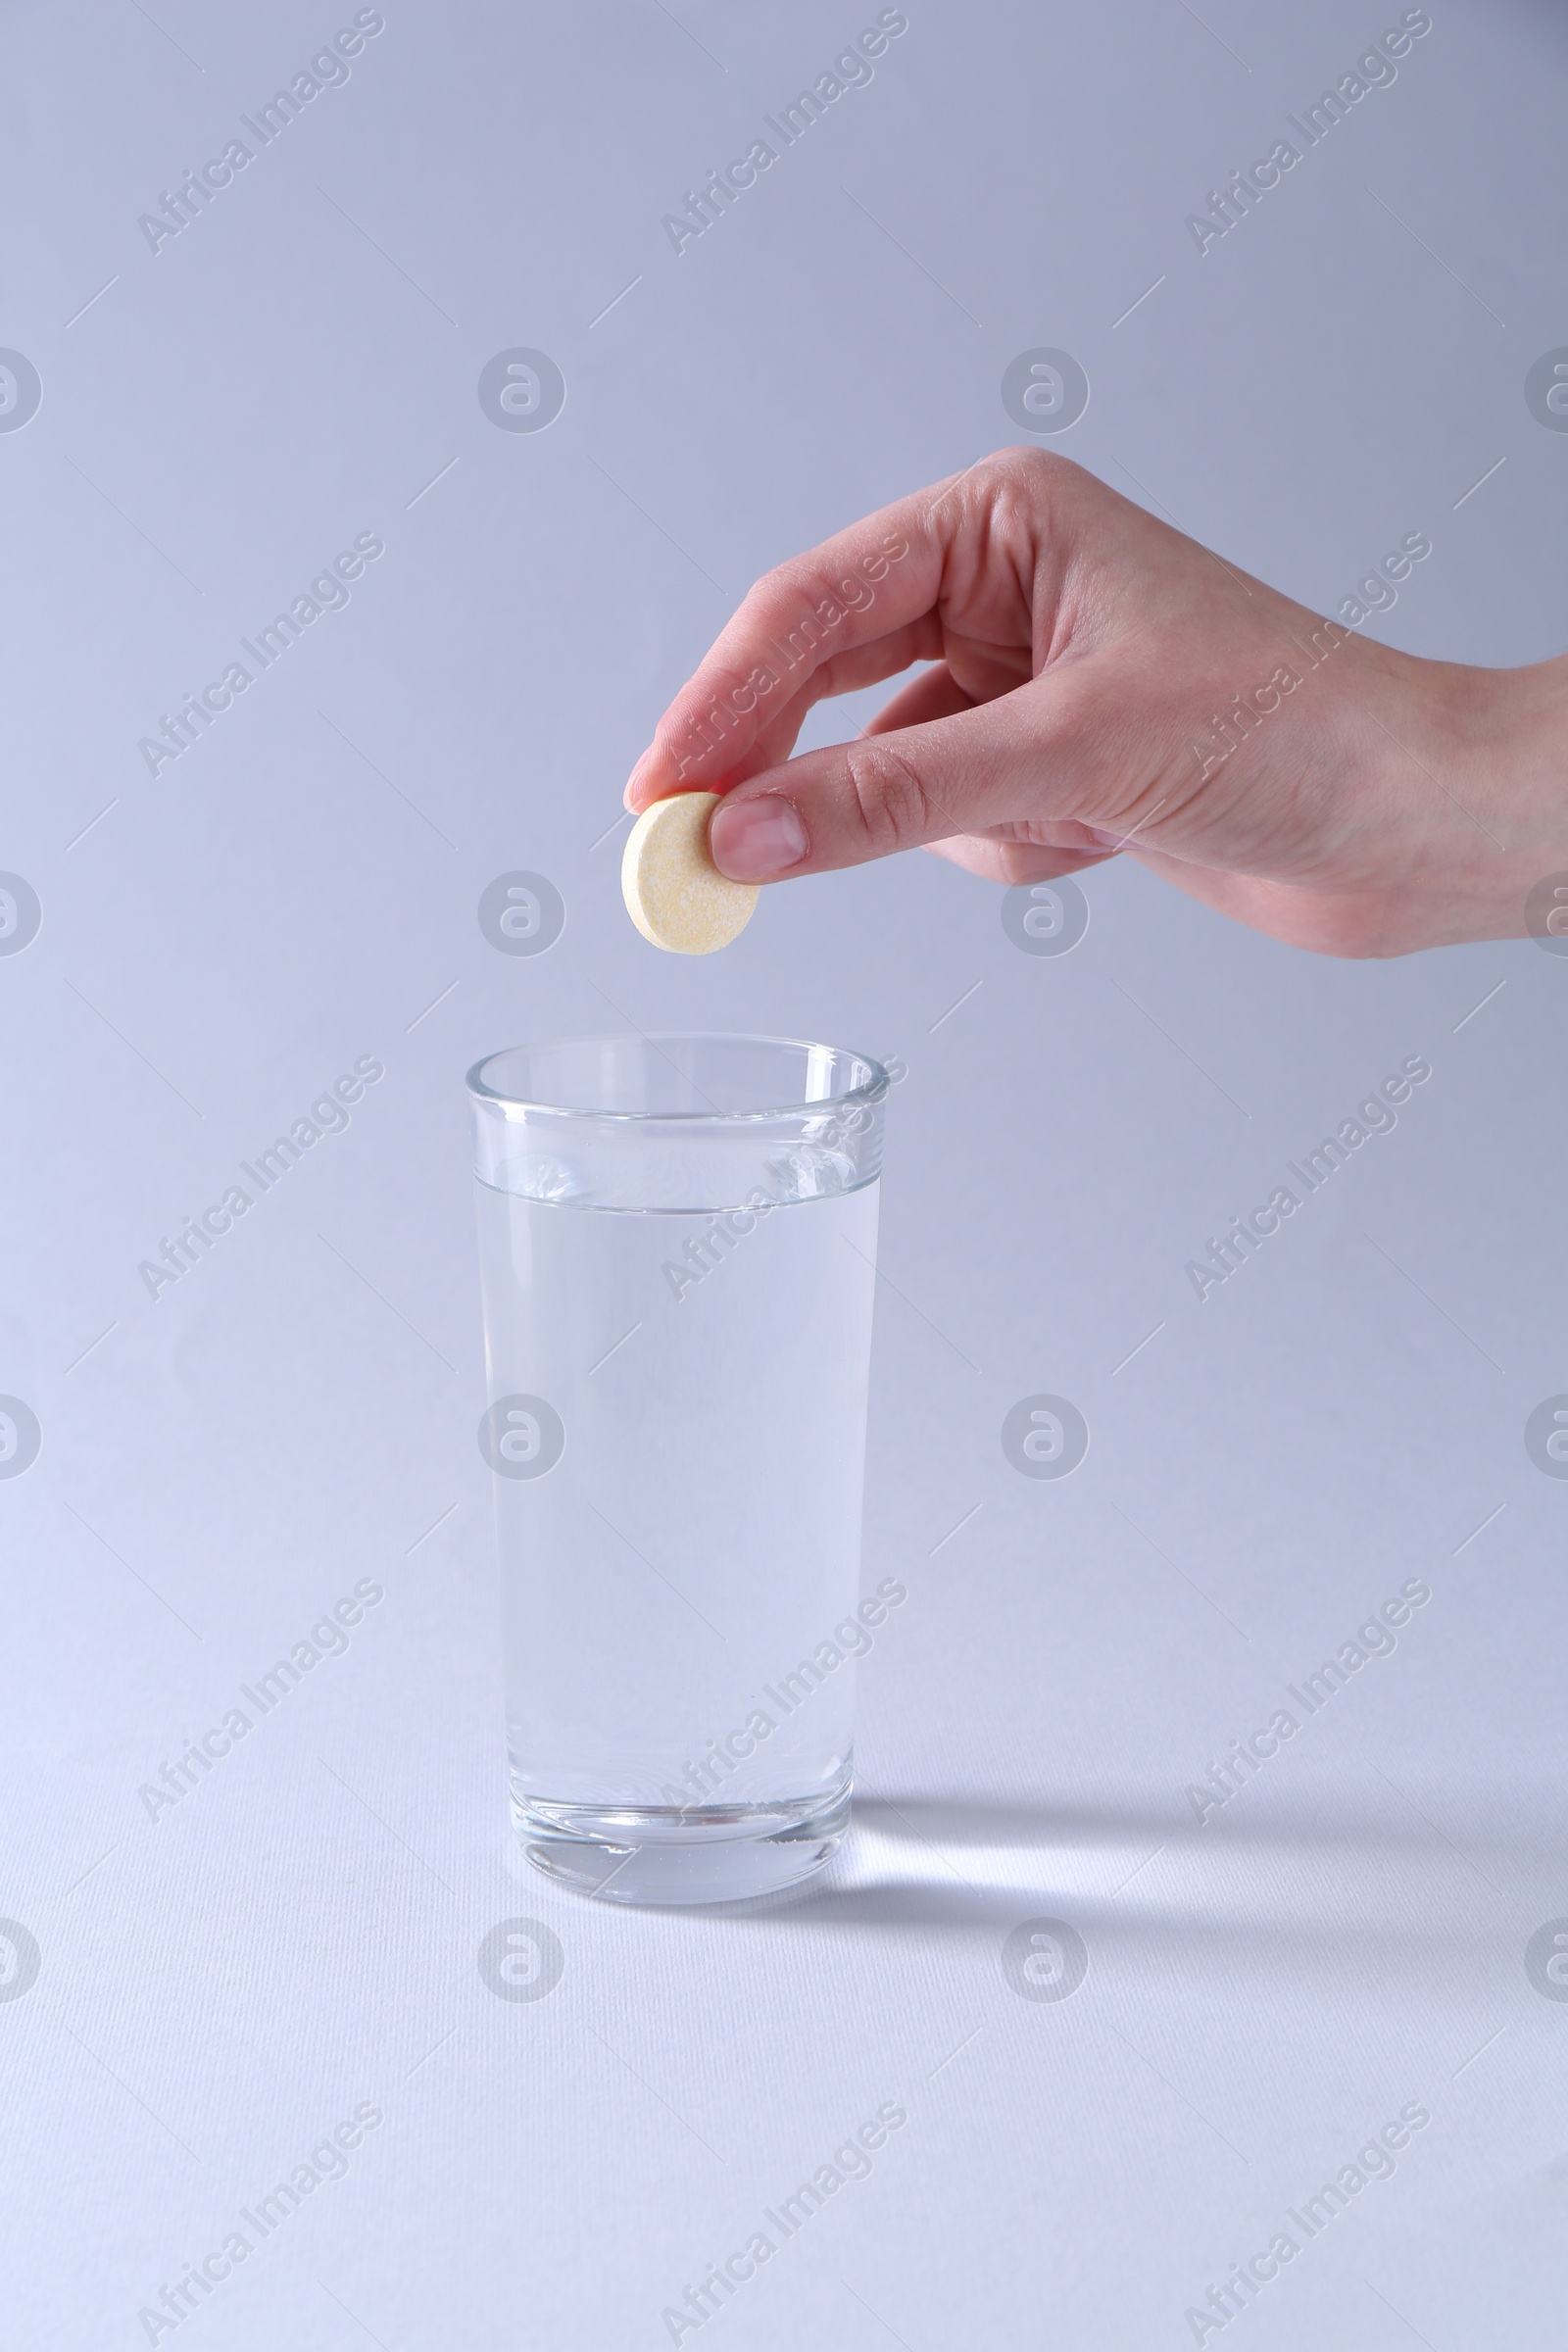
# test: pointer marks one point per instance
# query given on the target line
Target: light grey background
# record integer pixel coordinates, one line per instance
(218, 1986)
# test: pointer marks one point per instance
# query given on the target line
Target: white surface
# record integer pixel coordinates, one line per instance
(222, 1985)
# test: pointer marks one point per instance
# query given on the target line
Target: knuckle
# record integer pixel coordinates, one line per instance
(1050, 469)
(727, 687)
(1032, 482)
(757, 617)
(890, 807)
(1048, 465)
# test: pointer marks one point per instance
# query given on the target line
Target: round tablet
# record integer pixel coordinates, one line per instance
(674, 892)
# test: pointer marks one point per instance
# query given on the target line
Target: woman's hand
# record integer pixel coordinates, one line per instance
(1104, 685)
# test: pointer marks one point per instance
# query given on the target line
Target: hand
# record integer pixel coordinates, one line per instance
(1101, 685)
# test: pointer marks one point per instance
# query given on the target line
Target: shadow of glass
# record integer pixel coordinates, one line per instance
(1388, 1823)
(1324, 1894)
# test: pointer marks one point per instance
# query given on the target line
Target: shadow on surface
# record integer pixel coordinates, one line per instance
(1396, 1820)
(1316, 1892)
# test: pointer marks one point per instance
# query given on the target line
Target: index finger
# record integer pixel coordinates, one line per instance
(869, 592)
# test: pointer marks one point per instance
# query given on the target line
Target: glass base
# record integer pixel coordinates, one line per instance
(670, 1854)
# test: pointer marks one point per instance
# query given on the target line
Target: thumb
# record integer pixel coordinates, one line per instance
(862, 800)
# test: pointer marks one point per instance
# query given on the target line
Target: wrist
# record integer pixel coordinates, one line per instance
(1485, 755)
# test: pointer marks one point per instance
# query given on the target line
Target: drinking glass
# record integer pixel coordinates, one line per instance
(677, 1244)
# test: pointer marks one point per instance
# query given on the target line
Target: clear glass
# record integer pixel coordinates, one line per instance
(677, 1244)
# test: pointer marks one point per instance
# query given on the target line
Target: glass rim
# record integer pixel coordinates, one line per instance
(874, 1090)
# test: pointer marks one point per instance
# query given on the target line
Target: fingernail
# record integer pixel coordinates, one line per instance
(751, 840)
